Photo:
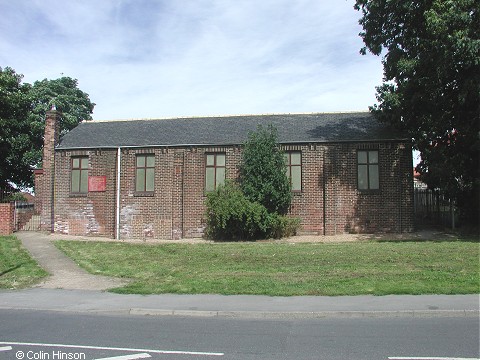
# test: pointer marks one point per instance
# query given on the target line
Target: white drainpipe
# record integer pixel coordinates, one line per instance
(117, 205)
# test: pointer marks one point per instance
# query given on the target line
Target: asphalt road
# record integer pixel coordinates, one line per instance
(28, 334)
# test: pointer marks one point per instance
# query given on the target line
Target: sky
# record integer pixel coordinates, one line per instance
(157, 58)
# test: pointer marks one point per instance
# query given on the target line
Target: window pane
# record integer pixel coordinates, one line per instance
(150, 161)
(373, 157)
(362, 177)
(287, 158)
(220, 176)
(210, 160)
(150, 180)
(140, 161)
(362, 157)
(296, 158)
(221, 160)
(296, 178)
(75, 180)
(373, 174)
(84, 163)
(75, 163)
(84, 181)
(210, 179)
(140, 180)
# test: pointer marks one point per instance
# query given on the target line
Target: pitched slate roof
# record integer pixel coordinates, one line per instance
(228, 130)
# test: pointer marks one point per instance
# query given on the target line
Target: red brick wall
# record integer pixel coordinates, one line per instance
(329, 202)
(92, 213)
(7, 225)
(194, 184)
(308, 204)
(390, 209)
(147, 217)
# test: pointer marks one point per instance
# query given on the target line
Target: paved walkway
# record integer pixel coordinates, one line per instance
(70, 288)
(64, 273)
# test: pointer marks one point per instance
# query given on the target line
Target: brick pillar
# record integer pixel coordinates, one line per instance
(51, 138)
(38, 201)
(7, 225)
(177, 193)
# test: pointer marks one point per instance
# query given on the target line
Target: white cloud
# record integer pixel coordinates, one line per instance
(150, 58)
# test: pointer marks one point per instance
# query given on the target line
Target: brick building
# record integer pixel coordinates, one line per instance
(149, 178)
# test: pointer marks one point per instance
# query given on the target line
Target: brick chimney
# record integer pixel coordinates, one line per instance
(47, 177)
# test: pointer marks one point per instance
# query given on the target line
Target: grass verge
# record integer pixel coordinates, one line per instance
(17, 268)
(282, 269)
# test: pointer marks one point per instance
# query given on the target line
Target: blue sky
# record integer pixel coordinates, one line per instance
(153, 59)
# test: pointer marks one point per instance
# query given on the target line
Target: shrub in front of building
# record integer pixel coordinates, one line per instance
(231, 216)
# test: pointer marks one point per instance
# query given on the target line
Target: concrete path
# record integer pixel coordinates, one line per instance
(65, 274)
(70, 288)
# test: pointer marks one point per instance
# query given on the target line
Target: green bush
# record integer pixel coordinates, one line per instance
(231, 216)
(284, 227)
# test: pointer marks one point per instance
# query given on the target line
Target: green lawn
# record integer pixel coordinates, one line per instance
(378, 268)
(17, 268)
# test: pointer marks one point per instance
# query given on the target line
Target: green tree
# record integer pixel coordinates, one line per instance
(22, 120)
(15, 132)
(431, 88)
(64, 93)
(263, 176)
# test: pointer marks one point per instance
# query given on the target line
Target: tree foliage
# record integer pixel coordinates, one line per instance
(64, 93)
(22, 120)
(263, 176)
(15, 131)
(431, 85)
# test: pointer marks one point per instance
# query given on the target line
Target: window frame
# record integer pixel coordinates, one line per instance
(81, 170)
(369, 165)
(289, 165)
(145, 167)
(215, 166)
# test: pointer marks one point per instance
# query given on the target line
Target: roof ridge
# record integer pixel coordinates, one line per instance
(226, 116)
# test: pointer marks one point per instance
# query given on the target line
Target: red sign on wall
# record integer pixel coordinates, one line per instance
(97, 183)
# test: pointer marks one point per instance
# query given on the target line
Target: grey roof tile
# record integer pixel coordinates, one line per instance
(228, 130)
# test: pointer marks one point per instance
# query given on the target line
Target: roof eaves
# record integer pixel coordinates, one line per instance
(229, 144)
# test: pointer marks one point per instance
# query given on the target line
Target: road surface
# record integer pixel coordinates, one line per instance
(44, 335)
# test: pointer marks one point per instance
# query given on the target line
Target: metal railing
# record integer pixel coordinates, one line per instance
(433, 207)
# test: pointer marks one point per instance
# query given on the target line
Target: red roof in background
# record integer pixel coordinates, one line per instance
(30, 198)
